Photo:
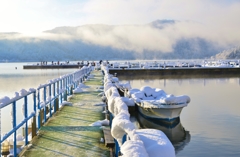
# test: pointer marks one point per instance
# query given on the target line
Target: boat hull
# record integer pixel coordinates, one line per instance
(168, 114)
(174, 131)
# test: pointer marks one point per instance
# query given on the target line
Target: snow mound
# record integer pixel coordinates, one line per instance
(77, 90)
(66, 103)
(81, 85)
(156, 143)
(104, 122)
(133, 149)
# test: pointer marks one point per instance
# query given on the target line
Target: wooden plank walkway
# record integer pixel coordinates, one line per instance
(68, 132)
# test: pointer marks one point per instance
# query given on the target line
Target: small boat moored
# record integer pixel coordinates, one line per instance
(155, 103)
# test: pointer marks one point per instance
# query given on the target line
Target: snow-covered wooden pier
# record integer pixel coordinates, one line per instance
(74, 130)
(67, 119)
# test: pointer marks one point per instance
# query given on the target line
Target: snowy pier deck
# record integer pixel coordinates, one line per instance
(69, 132)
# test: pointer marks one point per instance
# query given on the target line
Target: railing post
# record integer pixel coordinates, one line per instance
(71, 90)
(50, 97)
(111, 118)
(117, 149)
(34, 103)
(15, 131)
(39, 109)
(34, 118)
(66, 88)
(65, 95)
(56, 103)
(34, 127)
(73, 82)
(0, 131)
(54, 93)
(67, 85)
(25, 116)
(44, 99)
(61, 90)
(124, 138)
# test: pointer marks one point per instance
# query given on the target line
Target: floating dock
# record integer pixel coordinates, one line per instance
(199, 71)
(68, 132)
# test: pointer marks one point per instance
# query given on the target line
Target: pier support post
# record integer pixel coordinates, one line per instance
(34, 127)
(71, 90)
(107, 114)
(65, 95)
(56, 105)
(31, 129)
(41, 117)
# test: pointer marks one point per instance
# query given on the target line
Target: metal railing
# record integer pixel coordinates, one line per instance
(46, 100)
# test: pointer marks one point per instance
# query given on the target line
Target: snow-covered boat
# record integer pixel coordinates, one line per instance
(155, 103)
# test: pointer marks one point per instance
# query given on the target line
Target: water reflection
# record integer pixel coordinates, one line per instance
(164, 82)
(174, 131)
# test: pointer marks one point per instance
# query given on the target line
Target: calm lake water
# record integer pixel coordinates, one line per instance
(13, 78)
(209, 125)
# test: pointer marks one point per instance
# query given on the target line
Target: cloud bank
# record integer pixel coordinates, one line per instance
(123, 24)
(138, 38)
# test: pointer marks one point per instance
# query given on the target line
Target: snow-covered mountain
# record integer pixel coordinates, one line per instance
(233, 53)
(161, 39)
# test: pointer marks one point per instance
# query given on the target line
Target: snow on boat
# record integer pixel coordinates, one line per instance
(155, 103)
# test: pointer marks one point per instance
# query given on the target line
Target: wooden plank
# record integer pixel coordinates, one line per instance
(109, 141)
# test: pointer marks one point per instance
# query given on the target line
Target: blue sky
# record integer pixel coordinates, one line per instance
(32, 16)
